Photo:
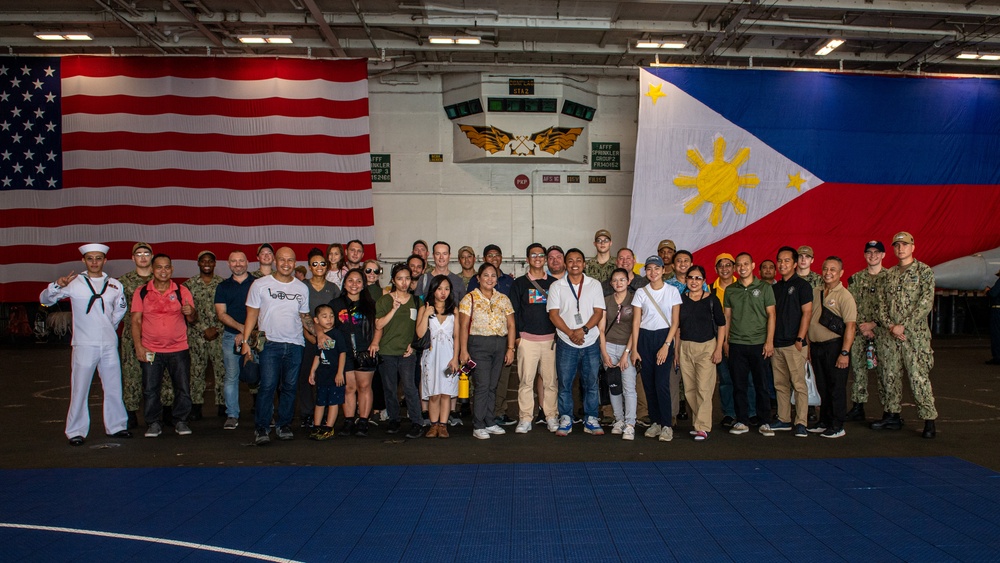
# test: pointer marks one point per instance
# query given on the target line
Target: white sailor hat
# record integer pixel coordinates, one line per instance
(103, 249)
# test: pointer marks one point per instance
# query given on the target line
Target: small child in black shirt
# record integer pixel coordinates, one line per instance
(327, 374)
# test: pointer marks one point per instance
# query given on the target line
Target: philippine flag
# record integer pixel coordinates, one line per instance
(741, 160)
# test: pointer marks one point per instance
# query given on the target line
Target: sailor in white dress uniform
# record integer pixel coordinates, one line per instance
(98, 305)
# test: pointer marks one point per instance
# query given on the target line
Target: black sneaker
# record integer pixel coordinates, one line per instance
(505, 420)
(261, 437)
(285, 433)
(349, 427)
(540, 419)
(728, 421)
(361, 429)
(393, 427)
(307, 422)
(755, 421)
(416, 431)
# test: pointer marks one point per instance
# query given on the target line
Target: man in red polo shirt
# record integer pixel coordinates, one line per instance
(160, 311)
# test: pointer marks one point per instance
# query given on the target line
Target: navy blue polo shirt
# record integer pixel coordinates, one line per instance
(233, 295)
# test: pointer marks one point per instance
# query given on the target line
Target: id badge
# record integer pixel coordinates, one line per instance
(413, 314)
(578, 319)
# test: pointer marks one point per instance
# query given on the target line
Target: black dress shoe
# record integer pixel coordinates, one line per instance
(121, 434)
(76, 441)
(857, 412)
(929, 430)
(889, 421)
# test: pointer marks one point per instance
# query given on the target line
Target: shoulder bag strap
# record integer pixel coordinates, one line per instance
(656, 305)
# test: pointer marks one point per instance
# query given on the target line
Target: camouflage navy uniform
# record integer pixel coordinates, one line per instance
(907, 297)
(205, 352)
(598, 271)
(815, 280)
(864, 287)
(131, 372)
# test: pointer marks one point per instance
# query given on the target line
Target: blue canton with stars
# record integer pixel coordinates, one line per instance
(30, 124)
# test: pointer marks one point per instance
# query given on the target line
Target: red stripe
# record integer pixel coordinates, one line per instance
(122, 250)
(209, 142)
(349, 70)
(354, 181)
(838, 219)
(215, 106)
(177, 214)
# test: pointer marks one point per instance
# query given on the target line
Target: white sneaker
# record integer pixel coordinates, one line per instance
(628, 433)
(552, 424)
(495, 429)
(618, 427)
(666, 434)
(481, 434)
(653, 431)
(523, 427)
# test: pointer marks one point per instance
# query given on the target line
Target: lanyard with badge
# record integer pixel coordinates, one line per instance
(578, 317)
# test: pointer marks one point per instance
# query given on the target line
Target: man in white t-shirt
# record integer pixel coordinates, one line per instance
(575, 305)
(279, 304)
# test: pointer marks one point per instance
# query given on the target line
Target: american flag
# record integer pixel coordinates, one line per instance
(186, 154)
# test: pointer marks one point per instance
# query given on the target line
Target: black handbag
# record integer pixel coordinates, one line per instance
(363, 359)
(613, 375)
(830, 320)
(250, 371)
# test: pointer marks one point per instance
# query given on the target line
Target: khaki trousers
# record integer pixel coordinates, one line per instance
(540, 358)
(699, 376)
(789, 367)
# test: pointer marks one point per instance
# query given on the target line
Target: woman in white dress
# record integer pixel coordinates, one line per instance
(439, 365)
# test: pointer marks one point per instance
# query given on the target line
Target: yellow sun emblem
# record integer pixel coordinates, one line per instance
(717, 181)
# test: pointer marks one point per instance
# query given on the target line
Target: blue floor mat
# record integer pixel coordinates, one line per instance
(873, 509)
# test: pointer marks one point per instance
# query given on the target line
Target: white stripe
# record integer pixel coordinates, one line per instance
(183, 269)
(150, 539)
(214, 87)
(215, 124)
(202, 197)
(160, 160)
(153, 234)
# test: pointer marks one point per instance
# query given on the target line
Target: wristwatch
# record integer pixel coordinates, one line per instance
(845, 352)
(585, 330)
(802, 340)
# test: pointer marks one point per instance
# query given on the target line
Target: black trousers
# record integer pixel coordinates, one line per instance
(746, 360)
(831, 381)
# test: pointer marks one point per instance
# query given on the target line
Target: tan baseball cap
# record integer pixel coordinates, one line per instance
(902, 236)
(467, 249)
(807, 250)
(602, 233)
(668, 244)
(204, 252)
(139, 245)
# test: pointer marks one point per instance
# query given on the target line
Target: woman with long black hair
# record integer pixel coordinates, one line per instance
(354, 312)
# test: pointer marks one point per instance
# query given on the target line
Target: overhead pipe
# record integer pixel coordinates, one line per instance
(844, 27)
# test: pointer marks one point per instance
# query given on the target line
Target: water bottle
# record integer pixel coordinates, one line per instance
(871, 359)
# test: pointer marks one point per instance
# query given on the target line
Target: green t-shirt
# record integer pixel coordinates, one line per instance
(399, 333)
(749, 316)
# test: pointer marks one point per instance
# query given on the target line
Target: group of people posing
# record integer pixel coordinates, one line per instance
(667, 339)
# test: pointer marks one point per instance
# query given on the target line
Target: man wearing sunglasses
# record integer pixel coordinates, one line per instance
(142, 256)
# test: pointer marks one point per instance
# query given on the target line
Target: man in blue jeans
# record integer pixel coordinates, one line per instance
(231, 308)
(279, 303)
(575, 305)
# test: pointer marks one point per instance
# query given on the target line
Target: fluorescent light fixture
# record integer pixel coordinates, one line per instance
(60, 36)
(989, 57)
(829, 47)
(272, 39)
(646, 44)
(456, 40)
(971, 56)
